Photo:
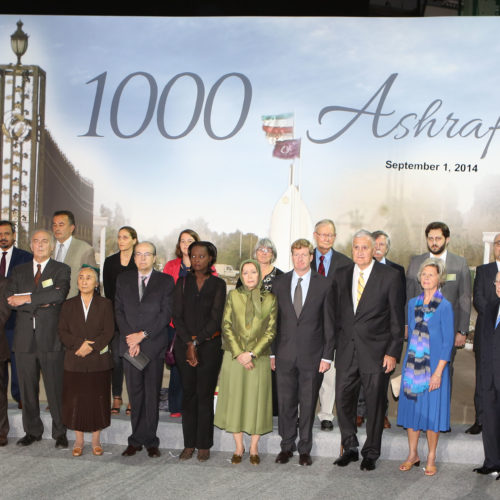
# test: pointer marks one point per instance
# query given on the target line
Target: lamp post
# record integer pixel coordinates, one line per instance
(19, 42)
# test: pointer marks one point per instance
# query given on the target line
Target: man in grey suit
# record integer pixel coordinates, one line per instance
(457, 285)
(326, 261)
(143, 307)
(36, 291)
(484, 293)
(369, 330)
(303, 349)
(70, 250)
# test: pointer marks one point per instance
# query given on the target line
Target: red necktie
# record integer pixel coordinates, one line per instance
(321, 268)
(38, 274)
(3, 265)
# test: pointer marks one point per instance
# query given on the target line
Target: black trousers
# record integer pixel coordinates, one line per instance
(298, 390)
(347, 388)
(491, 425)
(29, 367)
(198, 386)
(4, 420)
(143, 389)
(117, 373)
(478, 404)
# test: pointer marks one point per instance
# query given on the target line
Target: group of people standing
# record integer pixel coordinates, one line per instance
(327, 329)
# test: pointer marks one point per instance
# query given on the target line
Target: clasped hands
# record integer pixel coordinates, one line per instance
(85, 349)
(245, 359)
(133, 341)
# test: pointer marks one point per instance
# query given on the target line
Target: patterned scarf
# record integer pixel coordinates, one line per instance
(417, 372)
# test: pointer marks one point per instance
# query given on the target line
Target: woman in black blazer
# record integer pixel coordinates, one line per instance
(86, 327)
(199, 301)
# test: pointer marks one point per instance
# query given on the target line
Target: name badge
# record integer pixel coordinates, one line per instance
(104, 351)
(451, 277)
(47, 283)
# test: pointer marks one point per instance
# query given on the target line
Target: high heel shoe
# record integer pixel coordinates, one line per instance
(97, 450)
(254, 459)
(406, 466)
(236, 459)
(430, 470)
(77, 451)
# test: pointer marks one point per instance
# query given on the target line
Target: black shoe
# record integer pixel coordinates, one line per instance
(3, 441)
(283, 457)
(348, 457)
(62, 442)
(28, 439)
(154, 452)
(367, 464)
(475, 428)
(484, 470)
(131, 450)
(305, 459)
(326, 425)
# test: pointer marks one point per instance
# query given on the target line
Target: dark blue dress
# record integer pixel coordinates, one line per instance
(431, 410)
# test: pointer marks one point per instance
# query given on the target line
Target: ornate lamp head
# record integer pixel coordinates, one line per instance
(19, 42)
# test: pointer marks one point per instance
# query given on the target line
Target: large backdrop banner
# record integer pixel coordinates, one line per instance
(257, 126)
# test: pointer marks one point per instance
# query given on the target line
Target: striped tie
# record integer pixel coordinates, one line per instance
(361, 287)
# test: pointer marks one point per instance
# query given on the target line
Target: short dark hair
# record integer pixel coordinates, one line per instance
(130, 230)
(193, 235)
(211, 249)
(438, 225)
(68, 213)
(8, 223)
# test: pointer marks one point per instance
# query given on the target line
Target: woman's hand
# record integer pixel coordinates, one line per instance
(435, 382)
(249, 366)
(191, 355)
(85, 349)
(244, 358)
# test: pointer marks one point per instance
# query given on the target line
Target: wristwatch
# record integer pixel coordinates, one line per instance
(145, 333)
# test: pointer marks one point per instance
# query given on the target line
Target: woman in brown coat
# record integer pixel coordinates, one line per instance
(86, 327)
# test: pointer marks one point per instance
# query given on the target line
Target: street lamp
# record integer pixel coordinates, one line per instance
(19, 42)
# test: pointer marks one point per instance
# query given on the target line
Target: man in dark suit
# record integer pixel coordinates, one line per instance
(382, 247)
(457, 286)
(369, 330)
(36, 290)
(484, 292)
(303, 349)
(4, 357)
(490, 382)
(326, 261)
(11, 257)
(70, 250)
(143, 307)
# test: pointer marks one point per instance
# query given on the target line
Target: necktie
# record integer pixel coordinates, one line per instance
(143, 287)
(361, 287)
(497, 321)
(3, 265)
(297, 298)
(59, 256)
(38, 274)
(321, 268)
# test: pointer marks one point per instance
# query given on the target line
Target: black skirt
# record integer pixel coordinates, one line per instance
(86, 400)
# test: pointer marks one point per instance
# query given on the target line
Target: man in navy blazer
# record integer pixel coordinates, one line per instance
(143, 307)
(490, 382)
(369, 331)
(303, 349)
(10, 258)
(484, 293)
(37, 290)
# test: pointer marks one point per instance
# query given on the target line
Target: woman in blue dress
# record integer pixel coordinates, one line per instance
(424, 402)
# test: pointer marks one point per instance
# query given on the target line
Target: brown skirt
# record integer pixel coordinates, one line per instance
(86, 400)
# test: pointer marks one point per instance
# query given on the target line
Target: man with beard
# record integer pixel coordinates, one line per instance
(457, 285)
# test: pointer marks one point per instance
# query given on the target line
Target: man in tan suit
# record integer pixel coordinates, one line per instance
(70, 250)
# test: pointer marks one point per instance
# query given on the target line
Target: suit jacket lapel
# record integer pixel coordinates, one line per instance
(369, 287)
(288, 288)
(310, 291)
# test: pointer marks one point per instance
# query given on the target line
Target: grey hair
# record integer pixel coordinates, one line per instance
(323, 222)
(152, 245)
(363, 233)
(266, 243)
(377, 234)
(52, 240)
(438, 264)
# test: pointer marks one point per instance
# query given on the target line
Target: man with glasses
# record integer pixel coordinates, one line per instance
(326, 261)
(143, 307)
(484, 293)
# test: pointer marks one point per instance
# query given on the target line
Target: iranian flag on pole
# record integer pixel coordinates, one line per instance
(278, 127)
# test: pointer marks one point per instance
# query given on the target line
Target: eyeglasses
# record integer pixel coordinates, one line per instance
(325, 236)
(143, 254)
(264, 250)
